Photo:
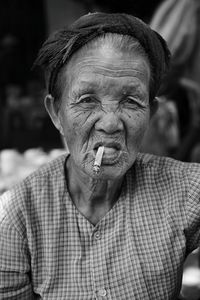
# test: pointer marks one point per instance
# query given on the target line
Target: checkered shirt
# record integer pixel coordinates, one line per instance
(49, 250)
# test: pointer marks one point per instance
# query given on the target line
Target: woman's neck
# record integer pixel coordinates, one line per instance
(92, 197)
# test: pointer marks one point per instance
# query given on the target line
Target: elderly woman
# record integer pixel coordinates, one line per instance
(104, 221)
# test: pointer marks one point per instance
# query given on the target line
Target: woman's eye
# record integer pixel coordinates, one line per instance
(132, 100)
(87, 99)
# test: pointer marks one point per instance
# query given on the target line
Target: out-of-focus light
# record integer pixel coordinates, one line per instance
(191, 277)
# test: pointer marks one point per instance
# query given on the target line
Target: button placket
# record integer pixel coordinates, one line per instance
(97, 235)
(100, 291)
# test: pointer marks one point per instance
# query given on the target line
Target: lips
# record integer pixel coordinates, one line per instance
(113, 145)
(111, 152)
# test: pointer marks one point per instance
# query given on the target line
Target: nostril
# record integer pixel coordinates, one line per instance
(110, 123)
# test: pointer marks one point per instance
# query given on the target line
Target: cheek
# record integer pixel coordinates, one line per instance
(138, 124)
(70, 129)
(76, 130)
(78, 118)
(70, 122)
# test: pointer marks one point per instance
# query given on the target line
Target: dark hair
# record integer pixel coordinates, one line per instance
(59, 47)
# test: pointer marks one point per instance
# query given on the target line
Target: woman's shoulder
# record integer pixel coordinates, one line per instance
(53, 168)
(168, 173)
(34, 192)
(155, 162)
(180, 180)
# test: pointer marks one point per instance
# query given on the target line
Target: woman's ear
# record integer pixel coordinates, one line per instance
(53, 111)
(154, 106)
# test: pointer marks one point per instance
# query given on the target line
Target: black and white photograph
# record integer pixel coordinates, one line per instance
(99, 150)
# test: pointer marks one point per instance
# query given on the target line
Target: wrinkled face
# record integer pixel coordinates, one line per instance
(105, 101)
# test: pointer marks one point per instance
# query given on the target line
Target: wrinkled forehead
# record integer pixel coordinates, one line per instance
(105, 54)
(105, 63)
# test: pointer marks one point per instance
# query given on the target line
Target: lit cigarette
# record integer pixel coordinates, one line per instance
(98, 159)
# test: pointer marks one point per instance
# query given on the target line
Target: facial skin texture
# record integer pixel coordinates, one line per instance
(105, 100)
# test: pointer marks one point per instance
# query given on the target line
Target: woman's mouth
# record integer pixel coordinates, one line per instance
(110, 151)
(110, 154)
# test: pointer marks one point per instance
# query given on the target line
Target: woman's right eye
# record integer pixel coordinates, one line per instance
(87, 99)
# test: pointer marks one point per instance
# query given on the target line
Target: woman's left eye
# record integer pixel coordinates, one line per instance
(132, 100)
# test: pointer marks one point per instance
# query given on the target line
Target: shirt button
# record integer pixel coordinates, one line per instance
(97, 235)
(102, 292)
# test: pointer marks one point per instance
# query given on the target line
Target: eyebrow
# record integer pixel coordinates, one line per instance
(87, 86)
(85, 89)
(131, 87)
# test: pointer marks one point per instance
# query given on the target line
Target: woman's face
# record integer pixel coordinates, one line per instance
(105, 101)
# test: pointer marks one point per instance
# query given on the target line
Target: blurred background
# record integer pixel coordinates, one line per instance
(27, 137)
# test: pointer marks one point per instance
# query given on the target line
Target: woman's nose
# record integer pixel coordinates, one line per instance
(109, 123)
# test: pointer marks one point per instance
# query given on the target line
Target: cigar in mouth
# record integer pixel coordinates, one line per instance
(98, 159)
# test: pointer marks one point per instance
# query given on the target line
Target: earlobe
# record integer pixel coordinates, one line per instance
(154, 106)
(53, 111)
